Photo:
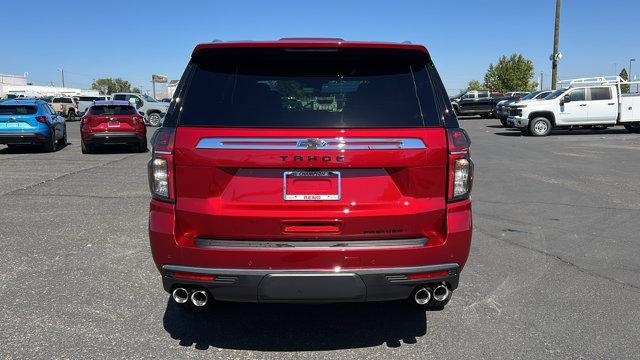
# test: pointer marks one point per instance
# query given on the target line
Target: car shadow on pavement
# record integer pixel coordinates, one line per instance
(26, 149)
(517, 132)
(295, 327)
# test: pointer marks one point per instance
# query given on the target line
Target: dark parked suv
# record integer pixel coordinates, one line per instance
(310, 170)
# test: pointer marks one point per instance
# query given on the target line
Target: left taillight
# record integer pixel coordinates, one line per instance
(41, 119)
(160, 167)
(460, 165)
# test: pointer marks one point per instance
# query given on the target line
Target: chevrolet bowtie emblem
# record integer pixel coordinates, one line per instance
(311, 143)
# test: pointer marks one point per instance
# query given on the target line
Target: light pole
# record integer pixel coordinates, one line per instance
(62, 73)
(556, 55)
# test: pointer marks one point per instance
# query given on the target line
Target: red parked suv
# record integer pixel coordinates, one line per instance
(113, 122)
(310, 170)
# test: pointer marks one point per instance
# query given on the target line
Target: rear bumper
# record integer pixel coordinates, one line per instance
(353, 285)
(367, 268)
(21, 137)
(113, 137)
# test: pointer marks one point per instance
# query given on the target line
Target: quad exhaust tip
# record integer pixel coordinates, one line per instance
(199, 298)
(180, 295)
(441, 292)
(422, 296)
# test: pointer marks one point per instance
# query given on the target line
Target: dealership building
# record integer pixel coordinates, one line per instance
(19, 86)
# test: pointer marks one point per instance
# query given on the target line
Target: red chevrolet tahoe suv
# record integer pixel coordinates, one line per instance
(112, 122)
(310, 170)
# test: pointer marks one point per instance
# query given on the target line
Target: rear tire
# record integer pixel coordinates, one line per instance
(86, 148)
(540, 126)
(63, 142)
(504, 123)
(51, 144)
(142, 146)
(634, 128)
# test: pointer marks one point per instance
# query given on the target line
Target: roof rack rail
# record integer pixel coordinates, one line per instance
(596, 81)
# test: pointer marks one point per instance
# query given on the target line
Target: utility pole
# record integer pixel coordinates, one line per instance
(541, 81)
(629, 75)
(556, 39)
(62, 73)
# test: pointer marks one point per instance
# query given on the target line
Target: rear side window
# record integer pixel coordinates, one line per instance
(307, 88)
(600, 93)
(112, 110)
(120, 97)
(89, 98)
(17, 110)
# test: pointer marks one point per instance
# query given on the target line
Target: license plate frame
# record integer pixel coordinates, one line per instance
(113, 123)
(311, 174)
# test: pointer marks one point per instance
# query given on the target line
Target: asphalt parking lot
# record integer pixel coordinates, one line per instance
(554, 270)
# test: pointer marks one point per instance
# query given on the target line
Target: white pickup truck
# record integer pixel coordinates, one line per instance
(587, 102)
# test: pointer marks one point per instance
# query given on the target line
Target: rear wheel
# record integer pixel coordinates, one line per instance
(504, 123)
(86, 148)
(50, 144)
(154, 119)
(63, 141)
(634, 128)
(142, 146)
(540, 126)
(71, 115)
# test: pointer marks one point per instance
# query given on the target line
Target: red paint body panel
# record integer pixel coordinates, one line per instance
(237, 194)
(450, 247)
(310, 43)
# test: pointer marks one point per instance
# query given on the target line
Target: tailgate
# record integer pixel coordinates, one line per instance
(360, 184)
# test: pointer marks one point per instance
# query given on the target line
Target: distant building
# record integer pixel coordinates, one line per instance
(18, 85)
(13, 79)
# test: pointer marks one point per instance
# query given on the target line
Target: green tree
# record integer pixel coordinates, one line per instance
(626, 87)
(513, 73)
(289, 88)
(136, 90)
(475, 85)
(108, 86)
(491, 78)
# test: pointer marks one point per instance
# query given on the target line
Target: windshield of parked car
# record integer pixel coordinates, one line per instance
(555, 94)
(17, 110)
(148, 98)
(531, 95)
(112, 110)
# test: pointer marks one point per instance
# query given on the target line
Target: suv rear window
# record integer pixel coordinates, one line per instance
(63, 100)
(307, 88)
(112, 110)
(89, 98)
(17, 110)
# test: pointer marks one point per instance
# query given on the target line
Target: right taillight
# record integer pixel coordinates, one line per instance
(460, 165)
(160, 166)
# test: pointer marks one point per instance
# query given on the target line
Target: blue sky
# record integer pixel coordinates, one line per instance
(133, 39)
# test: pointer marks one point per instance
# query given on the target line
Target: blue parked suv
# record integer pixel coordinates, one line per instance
(31, 122)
